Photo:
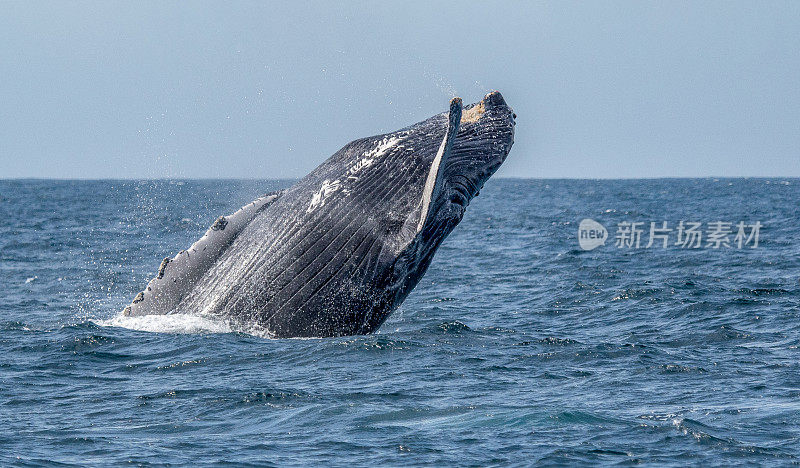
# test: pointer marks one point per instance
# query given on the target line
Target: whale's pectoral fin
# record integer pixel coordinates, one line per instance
(177, 275)
(435, 180)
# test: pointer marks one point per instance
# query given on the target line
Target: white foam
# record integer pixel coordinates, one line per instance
(173, 323)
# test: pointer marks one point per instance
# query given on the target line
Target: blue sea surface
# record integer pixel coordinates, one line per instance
(517, 347)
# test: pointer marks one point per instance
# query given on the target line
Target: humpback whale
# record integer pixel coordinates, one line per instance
(339, 250)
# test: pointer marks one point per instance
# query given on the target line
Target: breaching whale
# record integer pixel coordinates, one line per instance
(335, 253)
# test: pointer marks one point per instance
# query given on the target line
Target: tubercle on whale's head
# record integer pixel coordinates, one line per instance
(485, 136)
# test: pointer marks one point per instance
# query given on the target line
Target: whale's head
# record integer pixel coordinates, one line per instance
(479, 138)
(457, 153)
(484, 138)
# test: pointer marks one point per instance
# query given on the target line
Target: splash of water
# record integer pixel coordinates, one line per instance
(173, 323)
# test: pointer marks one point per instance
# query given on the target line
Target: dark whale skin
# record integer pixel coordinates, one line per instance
(338, 251)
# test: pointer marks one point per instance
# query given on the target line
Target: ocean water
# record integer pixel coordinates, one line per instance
(517, 347)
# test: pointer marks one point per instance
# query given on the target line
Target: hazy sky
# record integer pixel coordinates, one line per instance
(270, 90)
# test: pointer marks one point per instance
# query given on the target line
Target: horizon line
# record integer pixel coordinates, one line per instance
(131, 179)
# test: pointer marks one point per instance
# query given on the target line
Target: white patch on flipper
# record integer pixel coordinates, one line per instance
(453, 121)
(430, 183)
(177, 276)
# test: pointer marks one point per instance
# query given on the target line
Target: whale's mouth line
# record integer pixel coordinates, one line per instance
(463, 189)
